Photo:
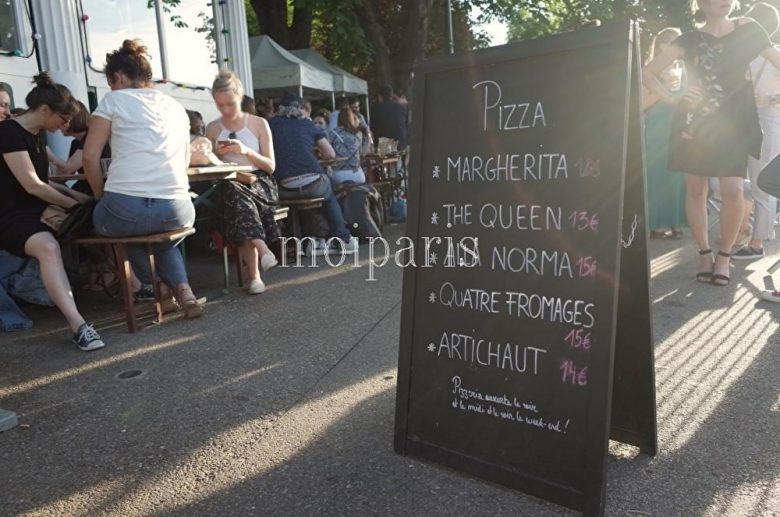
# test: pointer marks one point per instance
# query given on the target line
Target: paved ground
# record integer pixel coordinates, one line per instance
(283, 404)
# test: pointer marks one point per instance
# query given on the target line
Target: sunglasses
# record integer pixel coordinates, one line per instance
(232, 135)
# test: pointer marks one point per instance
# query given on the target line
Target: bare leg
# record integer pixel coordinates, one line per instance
(43, 247)
(249, 256)
(261, 247)
(696, 211)
(730, 220)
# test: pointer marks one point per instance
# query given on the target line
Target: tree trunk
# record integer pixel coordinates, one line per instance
(367, 16)
(272, 18)
(417, 15)
(300, 32)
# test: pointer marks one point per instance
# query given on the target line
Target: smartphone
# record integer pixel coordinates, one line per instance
(223, 143)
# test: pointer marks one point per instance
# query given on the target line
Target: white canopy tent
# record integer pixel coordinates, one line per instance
(276, 70)
(344, 83)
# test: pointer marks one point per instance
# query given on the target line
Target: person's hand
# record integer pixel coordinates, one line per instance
(80, 197)
(692, 96)
(232, 147)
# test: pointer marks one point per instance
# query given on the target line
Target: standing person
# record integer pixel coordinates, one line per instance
(716, 124)
(147, 189)
(25, 192)
(390, 119)
(299, 172)
(248, 105)
(665, 189)
(245, 139)
(766, 83)
(5, 105)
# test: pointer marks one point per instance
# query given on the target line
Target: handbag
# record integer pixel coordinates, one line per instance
(53, 216)
(78, 223)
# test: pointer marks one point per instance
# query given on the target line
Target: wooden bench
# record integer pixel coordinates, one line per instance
(295, 206)
(124, 269)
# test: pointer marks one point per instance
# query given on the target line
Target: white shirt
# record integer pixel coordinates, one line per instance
(768, 83)
(150, 139)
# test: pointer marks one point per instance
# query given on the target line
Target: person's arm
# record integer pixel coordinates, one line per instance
(325, 149)
(772, 54)
(652, 71)
(62, 189)
(23, 170)
(74, 163)
(99, 133)
(53, 158)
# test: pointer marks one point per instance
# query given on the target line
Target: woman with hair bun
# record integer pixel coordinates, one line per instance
(25, 192)
(147, 189)
(245, 139)
(716, 124)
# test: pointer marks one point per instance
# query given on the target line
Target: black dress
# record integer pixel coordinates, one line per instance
(20, 212)
(715, 137)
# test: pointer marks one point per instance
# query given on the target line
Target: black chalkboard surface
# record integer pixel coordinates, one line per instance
(527, 211)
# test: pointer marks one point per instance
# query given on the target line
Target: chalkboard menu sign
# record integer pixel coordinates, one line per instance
(520, 315)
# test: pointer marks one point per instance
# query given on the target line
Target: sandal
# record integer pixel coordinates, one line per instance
(192, 308)
(658, 234)
(721, 280)
(677, 233)
(705, 277)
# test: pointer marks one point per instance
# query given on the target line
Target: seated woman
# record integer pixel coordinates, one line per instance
(25, 193)
(147, 190)
(245, 139)
(347, 142)
(78, 129)
(298, 171)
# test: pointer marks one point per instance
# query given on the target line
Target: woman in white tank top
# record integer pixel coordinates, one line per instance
(249, 208)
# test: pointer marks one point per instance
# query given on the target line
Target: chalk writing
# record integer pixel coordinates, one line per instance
(502, 408)
(584, 221)
(588, 168)
(508, 167)
(529, 260)
(586, 267)
(573, 374)
(508, 116)
(501, 355)
(578, 338)
(550, 308)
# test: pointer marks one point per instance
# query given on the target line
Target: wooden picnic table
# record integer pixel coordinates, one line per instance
(194, 174)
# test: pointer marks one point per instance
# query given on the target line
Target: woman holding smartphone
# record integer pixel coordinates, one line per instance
(245, 139)
(716, 124)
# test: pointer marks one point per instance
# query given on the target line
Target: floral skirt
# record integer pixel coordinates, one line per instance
(248, 213)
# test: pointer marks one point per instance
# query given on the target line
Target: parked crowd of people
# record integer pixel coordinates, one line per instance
(145, 189)
(712, 104)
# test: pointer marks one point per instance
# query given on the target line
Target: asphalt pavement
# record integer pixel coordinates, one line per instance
(283, 404)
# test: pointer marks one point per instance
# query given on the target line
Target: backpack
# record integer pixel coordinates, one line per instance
(362, 209)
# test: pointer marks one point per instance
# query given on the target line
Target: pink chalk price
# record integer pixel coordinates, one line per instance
(583, 221)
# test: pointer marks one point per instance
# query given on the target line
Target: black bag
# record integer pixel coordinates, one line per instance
(362, 209)
(78, 223)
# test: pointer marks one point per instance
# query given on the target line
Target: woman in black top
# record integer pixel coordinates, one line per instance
(716, 125)
(25, 192)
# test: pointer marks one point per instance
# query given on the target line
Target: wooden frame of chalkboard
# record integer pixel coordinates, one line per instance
(506, 360)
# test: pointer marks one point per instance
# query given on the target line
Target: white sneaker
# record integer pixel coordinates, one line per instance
(268, 261)
(771, 296)
(351, 246)
(256, 286)
(316, 248)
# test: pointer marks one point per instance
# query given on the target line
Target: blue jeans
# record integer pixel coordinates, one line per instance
(321, 188)
(118, 215)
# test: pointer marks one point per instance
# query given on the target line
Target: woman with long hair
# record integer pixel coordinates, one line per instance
(245, 139)
(665, 189)
(147, 189)
(347, 142)
(25, 192)
(716, 124)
